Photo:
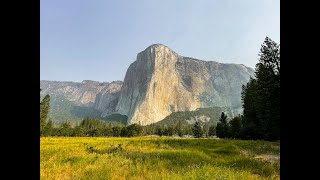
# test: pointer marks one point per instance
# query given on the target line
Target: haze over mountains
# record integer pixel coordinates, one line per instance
(74, 101)
(157, 84)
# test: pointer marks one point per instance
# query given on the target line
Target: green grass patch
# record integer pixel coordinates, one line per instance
(158, 158)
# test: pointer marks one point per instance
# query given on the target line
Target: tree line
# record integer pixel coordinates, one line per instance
(90, 127)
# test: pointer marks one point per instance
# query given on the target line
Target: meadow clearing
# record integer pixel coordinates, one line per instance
(157, 158)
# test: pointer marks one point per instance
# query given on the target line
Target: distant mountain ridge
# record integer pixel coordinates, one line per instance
(74, 101)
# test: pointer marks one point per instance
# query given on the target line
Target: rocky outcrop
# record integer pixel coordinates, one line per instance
(100, 96)
(161, 81)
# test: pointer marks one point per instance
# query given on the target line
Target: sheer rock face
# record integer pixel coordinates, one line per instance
(100, 96)
(160, 82)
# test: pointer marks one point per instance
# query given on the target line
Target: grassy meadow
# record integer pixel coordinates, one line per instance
(157, 158)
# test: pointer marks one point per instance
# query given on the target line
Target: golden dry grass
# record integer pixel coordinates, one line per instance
(157, 158)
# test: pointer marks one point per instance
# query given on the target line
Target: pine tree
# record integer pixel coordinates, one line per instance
(44, 111)
(48, 129)
(222, 126)
(179, 128)
(268, 90)
(252, 128)
(212, 130)
(235, 127)
(116, 131)
(107, 131)
(78, 131)
(134, 130)
(65, 129)
(261, 96)
(124, 132)
(169, 131)
(197, 130)
(159, 131)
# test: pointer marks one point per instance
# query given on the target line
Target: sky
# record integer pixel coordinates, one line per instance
(99, 39)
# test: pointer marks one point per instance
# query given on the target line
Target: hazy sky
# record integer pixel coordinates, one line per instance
(99, 39)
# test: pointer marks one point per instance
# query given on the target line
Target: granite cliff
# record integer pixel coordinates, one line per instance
(161, 81)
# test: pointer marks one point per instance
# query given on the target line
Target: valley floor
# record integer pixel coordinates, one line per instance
(157, 158)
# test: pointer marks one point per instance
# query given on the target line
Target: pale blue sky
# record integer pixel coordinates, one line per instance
(98, 39)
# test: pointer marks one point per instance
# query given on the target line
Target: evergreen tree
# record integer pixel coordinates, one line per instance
(220, 130)
(169, 131)
(107, 131)
(44, 111)
(134, 130)
(235, 127)
(124, 132)
(261, 96)
(93, 127)
(152, 129)
(48, 129)
(252, 128)
(197, 130)
(188, 129)
(65, 129)
(97, 132)
(116, 131)
(222, 126)
(268, 89)
(178, 128)
(159, 131)
(78, 131)
(212, 130)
